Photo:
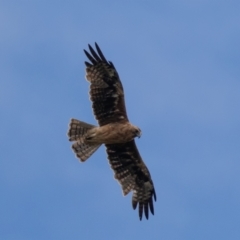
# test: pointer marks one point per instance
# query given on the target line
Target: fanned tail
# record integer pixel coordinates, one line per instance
(77, 132)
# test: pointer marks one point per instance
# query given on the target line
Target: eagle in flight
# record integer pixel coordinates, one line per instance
(114, 130)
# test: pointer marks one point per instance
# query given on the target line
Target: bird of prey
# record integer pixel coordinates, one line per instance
(114, 130)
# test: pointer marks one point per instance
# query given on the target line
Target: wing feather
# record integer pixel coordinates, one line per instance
(100, 53)
(94, 53)
(133, 175)
(106, 90)
(90, 57)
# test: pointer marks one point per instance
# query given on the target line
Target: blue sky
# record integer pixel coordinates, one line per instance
(179, 64)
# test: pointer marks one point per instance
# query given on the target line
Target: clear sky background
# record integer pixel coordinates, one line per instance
(179, 62)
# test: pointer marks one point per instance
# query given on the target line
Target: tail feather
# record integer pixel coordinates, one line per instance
(78, 129)
(77, 132)
(83, 151)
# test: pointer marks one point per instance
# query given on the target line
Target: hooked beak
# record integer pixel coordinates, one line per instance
(139, 134)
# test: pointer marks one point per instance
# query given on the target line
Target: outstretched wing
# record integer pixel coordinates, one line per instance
(106, 90)
(133, 175)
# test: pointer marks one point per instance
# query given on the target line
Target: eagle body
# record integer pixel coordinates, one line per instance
(114, 131)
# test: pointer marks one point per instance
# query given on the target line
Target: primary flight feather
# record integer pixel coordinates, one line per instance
(114, 130)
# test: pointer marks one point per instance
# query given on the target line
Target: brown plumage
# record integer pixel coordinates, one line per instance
(114, 130)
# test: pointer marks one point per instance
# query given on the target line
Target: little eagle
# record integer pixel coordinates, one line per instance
(114, 131)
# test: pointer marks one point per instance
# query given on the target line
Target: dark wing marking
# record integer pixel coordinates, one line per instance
(132, 174)
(106, 90)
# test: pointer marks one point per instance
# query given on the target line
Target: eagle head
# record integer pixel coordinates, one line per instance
(136, 132)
